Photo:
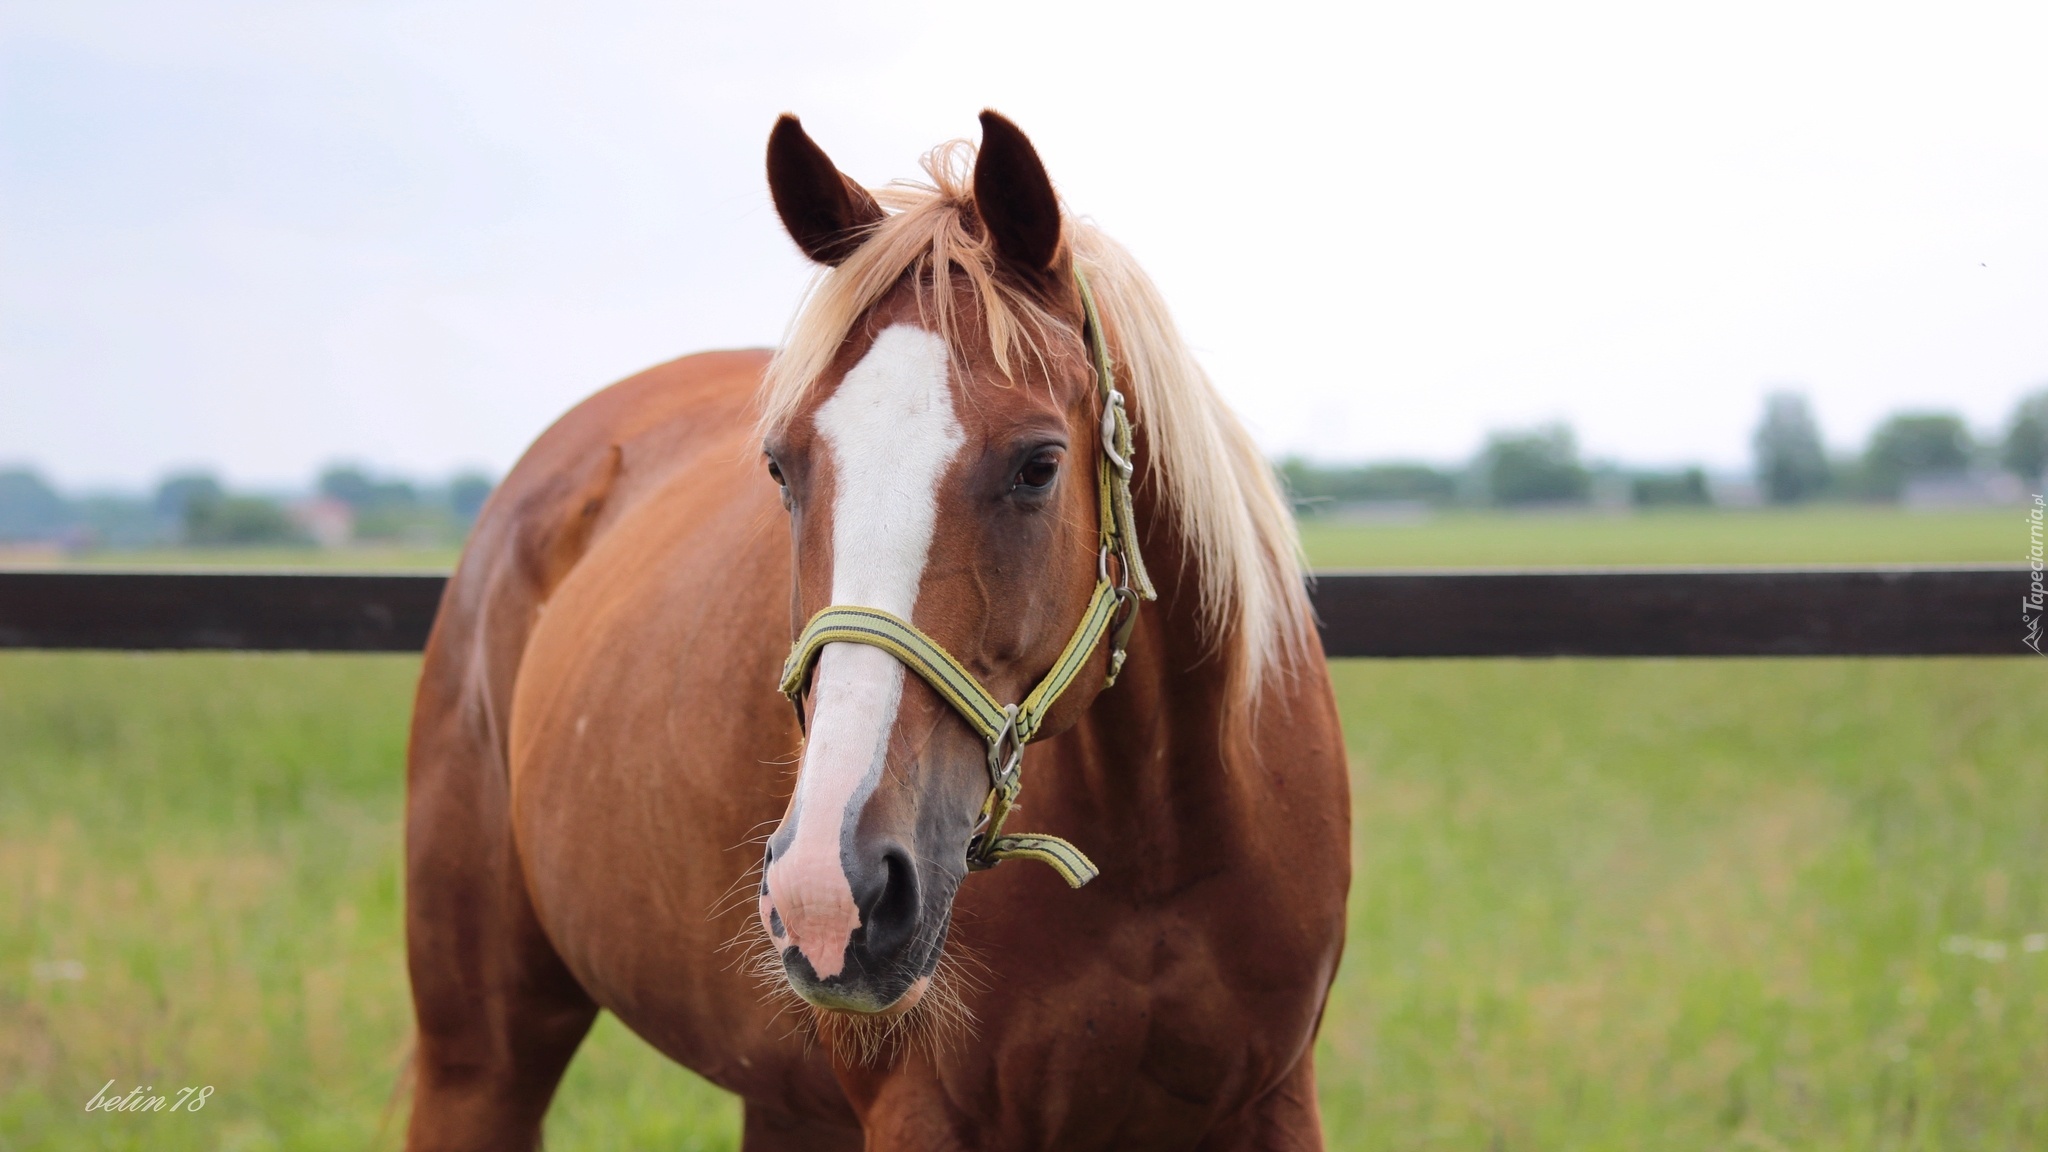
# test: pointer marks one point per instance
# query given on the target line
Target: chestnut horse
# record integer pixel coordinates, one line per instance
(599, 746)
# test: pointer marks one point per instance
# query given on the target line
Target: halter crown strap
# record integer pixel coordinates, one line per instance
(1007, 728)
(1119, 520)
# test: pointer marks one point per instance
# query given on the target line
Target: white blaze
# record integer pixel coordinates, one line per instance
(891, 433)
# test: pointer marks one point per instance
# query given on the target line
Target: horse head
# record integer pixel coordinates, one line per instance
(938, 445)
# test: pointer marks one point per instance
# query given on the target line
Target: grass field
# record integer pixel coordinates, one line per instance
(1837, 534)
(1691, 905)
(358, 558)
(1811, 535)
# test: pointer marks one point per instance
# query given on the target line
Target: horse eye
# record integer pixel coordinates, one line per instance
(1038, 472)
(775, 473)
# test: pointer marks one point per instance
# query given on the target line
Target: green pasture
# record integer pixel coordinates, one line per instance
(1824, 534)
(363, 558)
(1600, 905)
(1829, 533)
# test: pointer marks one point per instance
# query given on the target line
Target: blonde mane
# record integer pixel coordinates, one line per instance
(1212, 481)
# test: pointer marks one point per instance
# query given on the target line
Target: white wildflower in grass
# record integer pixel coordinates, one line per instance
(1989, 951)
(2034, 942)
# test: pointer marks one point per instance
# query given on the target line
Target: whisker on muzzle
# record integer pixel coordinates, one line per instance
(742, 890)
(940, 1021)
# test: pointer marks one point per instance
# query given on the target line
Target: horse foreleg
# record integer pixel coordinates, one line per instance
(498, 1014)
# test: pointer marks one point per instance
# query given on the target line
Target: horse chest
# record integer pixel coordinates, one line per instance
(1148, 1029)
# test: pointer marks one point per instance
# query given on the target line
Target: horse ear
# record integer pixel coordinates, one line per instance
(1015, 197)
(826, 213)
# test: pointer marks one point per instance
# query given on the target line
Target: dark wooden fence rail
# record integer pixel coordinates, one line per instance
(1891, 611)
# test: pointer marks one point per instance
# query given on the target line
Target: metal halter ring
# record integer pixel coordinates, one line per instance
(1122, 583)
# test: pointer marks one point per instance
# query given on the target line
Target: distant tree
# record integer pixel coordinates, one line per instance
(1680, 488)
(179, 492)
(29, 508)
(112, 520)
(349, 485)
(2026, 438)
(1540, 466)
(239, 520)
(355, 488)
(1914, 444)
(1321, 486)
(466, 495)
(1849, 479)
(1790, 463)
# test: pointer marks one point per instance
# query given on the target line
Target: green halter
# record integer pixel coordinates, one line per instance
(1008, 727)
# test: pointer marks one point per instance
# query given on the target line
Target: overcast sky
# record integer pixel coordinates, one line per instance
(267, 236)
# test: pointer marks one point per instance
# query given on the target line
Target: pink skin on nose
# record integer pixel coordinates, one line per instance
(857, 691)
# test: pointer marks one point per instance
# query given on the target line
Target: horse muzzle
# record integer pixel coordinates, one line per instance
(863, 937)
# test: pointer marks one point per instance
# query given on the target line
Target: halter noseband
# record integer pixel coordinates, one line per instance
(1008, 727)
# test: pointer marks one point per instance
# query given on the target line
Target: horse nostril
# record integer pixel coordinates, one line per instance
(890, 917)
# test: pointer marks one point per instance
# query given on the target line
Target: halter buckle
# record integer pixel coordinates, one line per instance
(1005, 756)
(1005, 752)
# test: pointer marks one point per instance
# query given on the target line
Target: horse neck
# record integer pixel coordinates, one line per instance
(1163, 750)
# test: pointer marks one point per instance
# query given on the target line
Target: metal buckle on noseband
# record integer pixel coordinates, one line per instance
(1005, 751)
(1008, 727)
(1005, 758)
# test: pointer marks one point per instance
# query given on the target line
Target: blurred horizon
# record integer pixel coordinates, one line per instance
(255, 239)
(1921, 461)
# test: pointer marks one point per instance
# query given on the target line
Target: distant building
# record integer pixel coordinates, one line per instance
(330, 522)
(1380, 511)
(1609, 490)
(1980, 488)
(28, 554)
(1734, 491)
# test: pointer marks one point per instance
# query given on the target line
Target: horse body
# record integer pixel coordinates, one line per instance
(598, 749)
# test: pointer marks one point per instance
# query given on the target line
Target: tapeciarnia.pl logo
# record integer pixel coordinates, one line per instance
(2037, 596)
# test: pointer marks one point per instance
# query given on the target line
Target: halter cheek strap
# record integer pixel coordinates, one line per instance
(1008, 727)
